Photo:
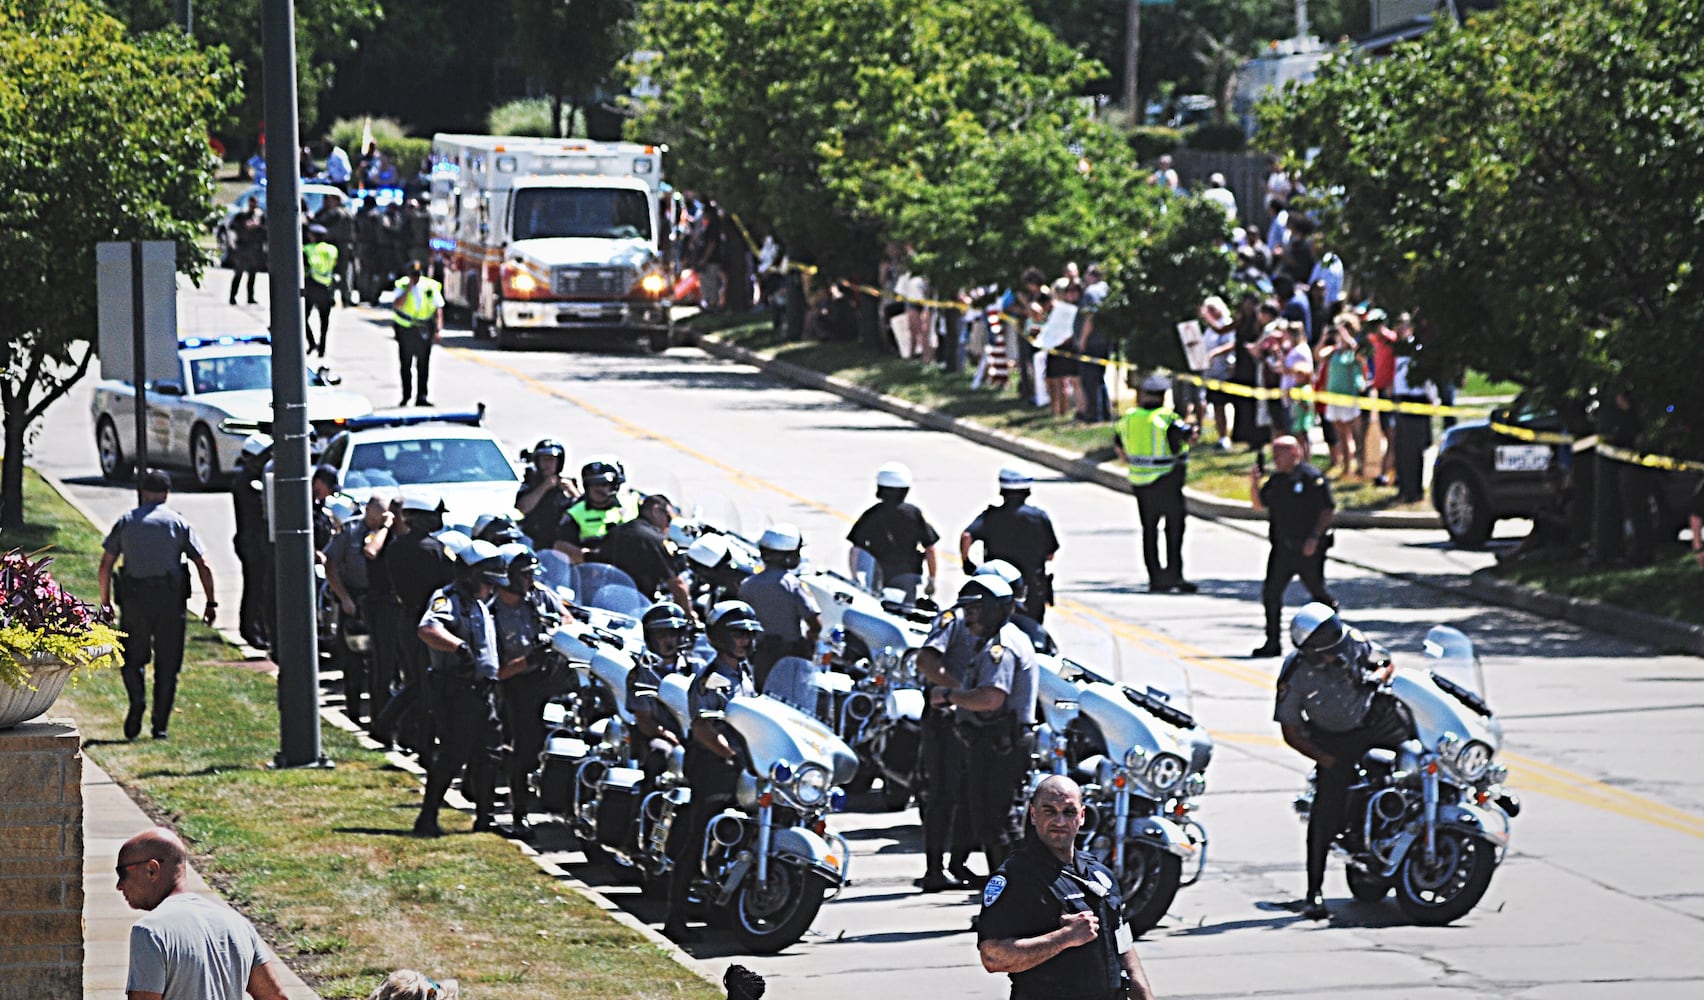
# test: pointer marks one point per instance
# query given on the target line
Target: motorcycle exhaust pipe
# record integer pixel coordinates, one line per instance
(592, 772)
(727, 831)
(1091, 820)
(860, 706)
(1389, 805)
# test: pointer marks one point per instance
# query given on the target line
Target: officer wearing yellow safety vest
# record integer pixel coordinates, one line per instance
(417, 315)
(1154, 442)
(319, 256)
(602, 506)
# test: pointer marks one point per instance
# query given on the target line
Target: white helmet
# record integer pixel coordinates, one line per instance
(1014, 478)
(781, 538)
(894, 475)
(453, 540)
(709, 551)
(1317, 628)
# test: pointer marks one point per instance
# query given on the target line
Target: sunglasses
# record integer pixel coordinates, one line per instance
(122, 868)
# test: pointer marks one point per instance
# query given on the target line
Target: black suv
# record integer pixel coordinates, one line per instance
(1481, 475)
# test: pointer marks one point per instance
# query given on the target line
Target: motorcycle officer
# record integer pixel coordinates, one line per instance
(524, 613)
(459, 630)
(1029, 626)
(603, 506)
(498, 529)
(792, 620)
(346, 576)
(897, 534)
(994, 710)
(712, 759)
(1051, 916)
(943, 660)
(668, 636)
(1332, 707)
(1019, 533)
(418, 566)
(544, 495)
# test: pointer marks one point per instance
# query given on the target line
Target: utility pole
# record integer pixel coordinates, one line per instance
(186, 16)
(296, 646)
(1132, 53)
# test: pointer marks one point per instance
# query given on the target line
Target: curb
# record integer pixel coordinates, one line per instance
(1108, 475)
(1663, 634)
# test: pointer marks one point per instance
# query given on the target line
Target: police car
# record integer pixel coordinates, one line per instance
(442, 454)
(313, 195)
(198, 420)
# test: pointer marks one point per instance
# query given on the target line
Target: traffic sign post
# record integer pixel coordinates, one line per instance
(136, 313)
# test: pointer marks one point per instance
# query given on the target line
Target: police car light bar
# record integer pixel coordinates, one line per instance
(225, 340)
(468, 418)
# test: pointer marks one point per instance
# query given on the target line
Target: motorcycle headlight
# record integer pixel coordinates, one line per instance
(1166, 771)
(1473, 760)
(1196, 786)
(1135, 759)
(811, 787)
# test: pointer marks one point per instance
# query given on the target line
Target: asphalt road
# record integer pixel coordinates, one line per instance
(1602, 895)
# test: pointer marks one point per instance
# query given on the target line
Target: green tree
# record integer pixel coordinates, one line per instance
(1532, 184)
(573, 46)
(103, 136)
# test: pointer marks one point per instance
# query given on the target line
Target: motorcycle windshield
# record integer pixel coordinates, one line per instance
(555, 571)
(1449, 653)
(866, 573)
(591, 578)
(715, 510)
(621, 600)
(1087, 646)
(793, 679)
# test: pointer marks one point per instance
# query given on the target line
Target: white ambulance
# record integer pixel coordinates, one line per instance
(552, 237)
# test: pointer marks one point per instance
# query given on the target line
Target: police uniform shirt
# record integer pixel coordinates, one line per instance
(896, 535)
(715, 686)
(518, 625)
(1006, 662)
(345, 552)
(1295, 500)
(951, 638)
(153, 539)
(540, 524)
(1021, 535)
(1332, 697)
(469, 620)
(646, 678)
(639, 549)
(782, 603)
(418, 567)
(1029, 896)
(623, 507)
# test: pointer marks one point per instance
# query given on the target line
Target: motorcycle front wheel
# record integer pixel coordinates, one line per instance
(1153, 877)
(768, 918)
(1453, 884)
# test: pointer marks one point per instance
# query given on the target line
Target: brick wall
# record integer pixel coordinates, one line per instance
(41, 860)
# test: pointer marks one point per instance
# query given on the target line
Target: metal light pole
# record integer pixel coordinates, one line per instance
(296, 646)
(186, 16)
(1132, 53)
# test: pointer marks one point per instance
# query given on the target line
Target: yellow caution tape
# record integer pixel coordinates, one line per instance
(1536, 437)
(1648, 461)
(1308, 394)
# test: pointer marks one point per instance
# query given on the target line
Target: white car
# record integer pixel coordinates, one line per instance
(199, 420)
(447, 455)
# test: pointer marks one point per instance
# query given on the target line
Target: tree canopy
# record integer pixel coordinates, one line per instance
(103, 136)
(1531, 183)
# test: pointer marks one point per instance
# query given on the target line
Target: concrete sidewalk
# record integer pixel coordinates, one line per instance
(109, 819)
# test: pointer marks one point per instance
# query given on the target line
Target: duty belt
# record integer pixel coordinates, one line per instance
(167, 580)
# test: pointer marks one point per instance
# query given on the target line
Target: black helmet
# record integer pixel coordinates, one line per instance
(602, 470)
(498, 529)
(519, 564)
(549, 446)
(991, 598)
(665, 618)
(728, 619)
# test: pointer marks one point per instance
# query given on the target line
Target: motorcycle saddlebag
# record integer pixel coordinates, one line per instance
(619, 794)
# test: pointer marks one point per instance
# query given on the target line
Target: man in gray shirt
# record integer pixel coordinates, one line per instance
(791, 619)
(153, 540)
(187, 947)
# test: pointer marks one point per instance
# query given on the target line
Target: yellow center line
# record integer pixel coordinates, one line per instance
(1534, 775)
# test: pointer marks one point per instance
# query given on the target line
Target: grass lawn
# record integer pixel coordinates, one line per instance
(1673, 586)
(1477, 386)
(1223, 474)
(322, 860)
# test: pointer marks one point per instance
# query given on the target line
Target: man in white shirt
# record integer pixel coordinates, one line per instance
(337, 169)
(1220, 195)
(187, 947)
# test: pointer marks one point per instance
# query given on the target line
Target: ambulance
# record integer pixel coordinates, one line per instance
(552, 238)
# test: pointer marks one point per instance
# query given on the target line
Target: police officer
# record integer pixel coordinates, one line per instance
(1299, 505)
(1051, 916)
(459, 629)
(384, 614)
(498, 529)
(320, 262)
(418, 566)
(943, 660)
(1038, 636)
(712, 758)
(417, 318)
(792, 621)
(346, 577)
(1019, 533)
(331, 505)
(1332, 707)
(1154, 441)
(339, 227)
(254, 548)
(153, 589)
(896, 534)
(525, 613)
(640, 548)
(544, 495)
(994, 712)
(603, 505)
(668, 637)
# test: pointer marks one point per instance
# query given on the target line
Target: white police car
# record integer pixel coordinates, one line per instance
(225, 235)
(442, 454)
(198, 420)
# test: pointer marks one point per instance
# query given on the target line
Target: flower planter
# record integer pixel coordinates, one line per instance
(48, 673)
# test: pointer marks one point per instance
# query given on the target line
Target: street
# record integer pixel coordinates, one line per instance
(1602, 894)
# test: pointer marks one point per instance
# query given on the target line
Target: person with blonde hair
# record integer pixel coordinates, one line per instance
(406, 984)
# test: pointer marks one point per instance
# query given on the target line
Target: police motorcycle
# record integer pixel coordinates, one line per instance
(1141, 759)
(1430, 820)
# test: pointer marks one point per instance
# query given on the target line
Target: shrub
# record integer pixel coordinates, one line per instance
(1216, 137)
(1148, 142)
(527, 116)
(37, 615)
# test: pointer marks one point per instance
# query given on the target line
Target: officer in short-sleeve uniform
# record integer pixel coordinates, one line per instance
(896, 534)
(524, 612)
(1020, 533)
(944, 659)
(655, 733)
(792, 621)
(1026, 898)
(1298, 500)
(461, 634)
(153, 590)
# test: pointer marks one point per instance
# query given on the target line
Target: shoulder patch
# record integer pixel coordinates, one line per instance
(440, 603)
(993, 889)
(997, 652)
(1101, 877)
(947, 617)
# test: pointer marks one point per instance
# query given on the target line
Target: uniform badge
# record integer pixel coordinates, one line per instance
(997, 652)
(440, 603)
(947, 617)
(1106, 883)
(993, 889)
